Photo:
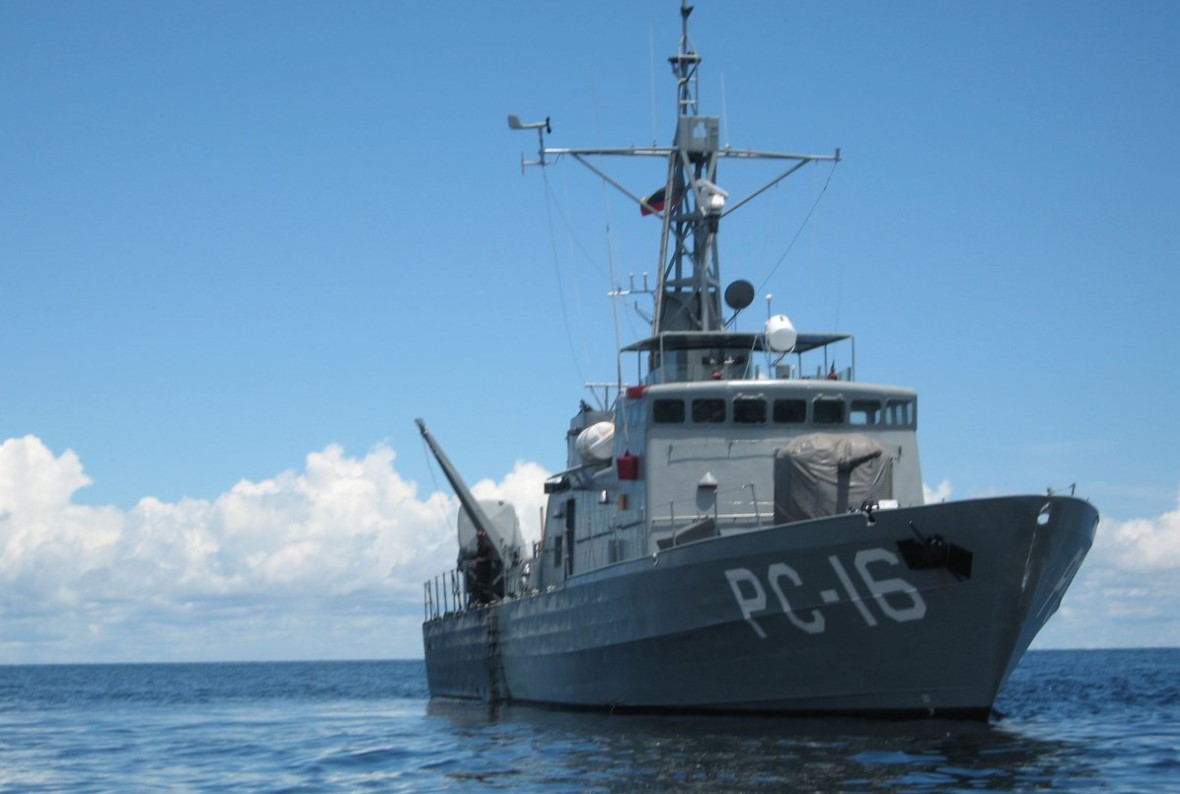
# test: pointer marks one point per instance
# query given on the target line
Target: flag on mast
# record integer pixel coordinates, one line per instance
(654, 203)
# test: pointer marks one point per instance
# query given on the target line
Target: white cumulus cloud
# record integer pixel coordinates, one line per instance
(329, 561)
(938, 494)
(1146, 544)
(1127, 589)
(324, 562)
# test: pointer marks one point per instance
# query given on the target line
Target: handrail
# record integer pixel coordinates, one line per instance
(447, 593)
(442, 594)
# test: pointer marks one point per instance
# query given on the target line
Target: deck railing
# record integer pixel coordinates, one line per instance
(443, 594)
(684, 521)
(447, 593)
(735, 507)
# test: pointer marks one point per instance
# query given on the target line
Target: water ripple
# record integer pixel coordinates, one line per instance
(1076, 722)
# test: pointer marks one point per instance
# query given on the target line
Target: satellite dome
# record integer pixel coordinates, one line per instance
(596, 442)
(780, 334)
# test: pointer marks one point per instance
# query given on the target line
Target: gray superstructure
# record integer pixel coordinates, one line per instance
(742, 529)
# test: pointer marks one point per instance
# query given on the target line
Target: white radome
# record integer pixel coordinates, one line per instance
(780, 334)
(596, 442)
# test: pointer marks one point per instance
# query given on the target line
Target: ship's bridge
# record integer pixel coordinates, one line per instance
(739, 441)
(681, 356)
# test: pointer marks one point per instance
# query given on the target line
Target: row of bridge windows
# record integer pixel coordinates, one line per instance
(758, 410)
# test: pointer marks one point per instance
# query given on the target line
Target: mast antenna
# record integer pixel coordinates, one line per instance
(542, 127)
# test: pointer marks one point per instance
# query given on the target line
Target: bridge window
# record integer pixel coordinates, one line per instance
(899, 413)
(667, 412)
(749, 410)
(828, 412)
(864, 412)
(791, 412)
(708, 410)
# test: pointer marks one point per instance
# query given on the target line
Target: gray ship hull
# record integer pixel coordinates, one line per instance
(821, 616)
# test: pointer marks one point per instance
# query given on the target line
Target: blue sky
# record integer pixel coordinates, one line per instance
(243, 245)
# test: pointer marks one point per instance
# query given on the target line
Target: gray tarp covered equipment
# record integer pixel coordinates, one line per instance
(822, 474)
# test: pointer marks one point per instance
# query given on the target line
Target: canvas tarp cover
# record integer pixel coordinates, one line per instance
(822, 474)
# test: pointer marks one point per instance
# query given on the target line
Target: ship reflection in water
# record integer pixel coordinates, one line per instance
(604, 752)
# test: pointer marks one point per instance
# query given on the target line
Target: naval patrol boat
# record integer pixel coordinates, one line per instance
(743, 528)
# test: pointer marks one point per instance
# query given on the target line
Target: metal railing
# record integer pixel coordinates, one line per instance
(443, 594)
(448, 593)
(732, 508)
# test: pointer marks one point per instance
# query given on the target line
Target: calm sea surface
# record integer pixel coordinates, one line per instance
(1073, 721)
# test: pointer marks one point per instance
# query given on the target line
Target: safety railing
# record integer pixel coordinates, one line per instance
(710, 512)
(443, 594)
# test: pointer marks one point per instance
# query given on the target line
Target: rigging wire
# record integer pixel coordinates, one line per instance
(443, 512)
(724, 113)
(569, 336)
(429, 463)
(552, 198)
(799, 231)
(614, 304)
(651, 76)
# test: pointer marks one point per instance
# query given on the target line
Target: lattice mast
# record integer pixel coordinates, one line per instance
(689, 288)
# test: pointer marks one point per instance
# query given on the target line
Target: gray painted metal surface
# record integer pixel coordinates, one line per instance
(736, 533)
(818, 616)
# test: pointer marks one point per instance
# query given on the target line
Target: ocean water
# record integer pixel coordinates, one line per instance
(1073, 721)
